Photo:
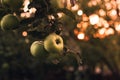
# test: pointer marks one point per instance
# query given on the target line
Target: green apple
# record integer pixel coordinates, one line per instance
(9, 22)
(53, 43)
(37, 49)
(12, 4)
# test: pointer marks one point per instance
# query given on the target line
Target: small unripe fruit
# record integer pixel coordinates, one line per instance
(53, 43)
(9, 22)
(37, 49)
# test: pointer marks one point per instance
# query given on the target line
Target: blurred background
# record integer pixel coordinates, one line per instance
(89, 27)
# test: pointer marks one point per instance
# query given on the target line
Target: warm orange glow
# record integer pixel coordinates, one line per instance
(26, 3)
(84, 17)
(81, 36)
(105, 20)
(60, 15)
(102, 12)
(94, 2)
(108, 6)
(32, 10)
(106, 0)
(90, 4)
(94, 19)
(113, 12)
(109, 31)
(75, 7)
(106, 25)
(84, 25)
(117, 27)
(119, 5)
(27, 12)
(28, 15)
(51, 17)
(24, 33)
(79, 25)
(100, 21)
(98, 1)
(22, 15)
(68, 4)
(76, 31)
(102, 31)
(98, 70)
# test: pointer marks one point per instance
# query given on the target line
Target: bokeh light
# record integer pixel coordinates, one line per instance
(24, 33)
(81, 36)
(79, 12)
(94, 19)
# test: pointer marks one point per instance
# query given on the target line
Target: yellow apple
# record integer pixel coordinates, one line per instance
(9, 22)
(53, 43)
(37, 49)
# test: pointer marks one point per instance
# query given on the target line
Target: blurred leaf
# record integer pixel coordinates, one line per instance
(67, 12)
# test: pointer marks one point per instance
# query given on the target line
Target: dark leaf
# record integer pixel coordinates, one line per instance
(67, 12)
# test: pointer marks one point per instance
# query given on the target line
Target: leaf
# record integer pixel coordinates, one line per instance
(67, 12)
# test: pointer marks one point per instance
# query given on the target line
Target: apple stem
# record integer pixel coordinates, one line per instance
(57, 41)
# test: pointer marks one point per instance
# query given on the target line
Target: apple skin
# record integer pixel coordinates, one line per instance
(9, 22)
(53, 43)
(37, 49)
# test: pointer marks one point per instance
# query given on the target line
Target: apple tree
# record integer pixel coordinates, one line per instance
(44, 39)
(43, 36)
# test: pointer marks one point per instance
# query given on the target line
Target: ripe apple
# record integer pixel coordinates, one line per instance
(12, 4)
(37, 49)
(9, 22)
(53, 43)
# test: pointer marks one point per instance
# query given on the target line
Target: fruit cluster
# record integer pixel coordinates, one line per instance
(51, 50)
(52, 44)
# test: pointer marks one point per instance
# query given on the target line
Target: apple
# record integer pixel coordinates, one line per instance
(37, 49)
(9, 22)
(12, 4)
(53, 43)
